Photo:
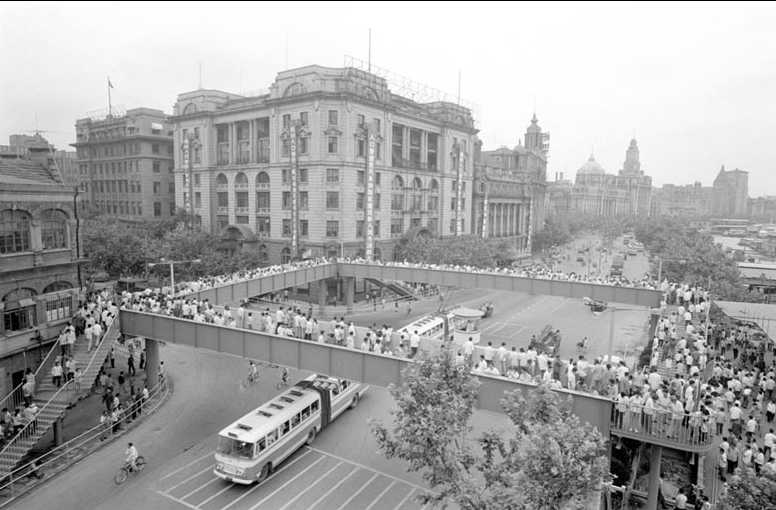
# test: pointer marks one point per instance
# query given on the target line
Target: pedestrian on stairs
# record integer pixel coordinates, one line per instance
(78, 376)
(112, 358)
(56, 374)
(89, 336)
(131, 365)
(27, 389)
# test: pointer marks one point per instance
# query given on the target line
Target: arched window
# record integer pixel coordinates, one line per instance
(19, 294)
(417, 184)
(241, 193)
(285, 255)
(19, 313)
(222, 193)
(332, 252)
(397, 183)
(262, 180)
(54, 287)
(14, 231)
(294, 89)
(240, 180)
(433, 187)
(53, 229)
(190, 108)
(417, 194)
(221, 180)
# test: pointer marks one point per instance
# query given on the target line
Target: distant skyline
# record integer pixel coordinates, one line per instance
(692, 82)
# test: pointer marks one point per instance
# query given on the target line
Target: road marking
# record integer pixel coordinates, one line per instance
(410, 493)
(214, 479)
(352, 472)
(208, 500)
(165, 477)
(190, 478)
(276, 473)
(327, 473)
(377, 499)
(353, 496)
(178, 500)
(366, 467)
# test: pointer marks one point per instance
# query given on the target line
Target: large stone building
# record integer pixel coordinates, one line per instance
(509, 191)
(125, 164)
(39, 257)
(731, 194)
(763, 208)
(691, 200)
(596, 192)
(239, 149)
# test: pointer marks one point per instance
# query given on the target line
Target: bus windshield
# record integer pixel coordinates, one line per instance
(235, 448)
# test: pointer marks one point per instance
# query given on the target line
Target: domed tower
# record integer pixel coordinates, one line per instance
(632, 166)
(533, 135)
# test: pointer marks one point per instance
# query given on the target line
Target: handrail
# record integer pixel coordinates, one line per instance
(93, 432)
(662, 424)
(16, 393)
(25, 432)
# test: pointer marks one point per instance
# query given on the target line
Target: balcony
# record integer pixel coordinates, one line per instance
(263, 150)
(262, 210)
(398, 162)
(662, 429)
(241, 210)
(241, 186)
(222, 209)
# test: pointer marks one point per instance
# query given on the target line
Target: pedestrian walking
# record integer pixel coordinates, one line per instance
(56, 374)
(131, 365)
(142, 360)
(112, 358)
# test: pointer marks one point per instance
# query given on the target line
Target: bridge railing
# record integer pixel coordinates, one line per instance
(652, 425)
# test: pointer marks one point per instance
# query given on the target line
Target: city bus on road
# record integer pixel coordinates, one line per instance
(430, 327)
(251, 447)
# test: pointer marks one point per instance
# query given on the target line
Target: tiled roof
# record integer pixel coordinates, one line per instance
(18, 170)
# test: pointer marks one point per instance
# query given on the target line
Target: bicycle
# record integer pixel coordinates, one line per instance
(123, 473)
(283, 383)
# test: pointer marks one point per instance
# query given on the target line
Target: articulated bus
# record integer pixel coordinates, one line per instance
(250, 448)
(431, 327)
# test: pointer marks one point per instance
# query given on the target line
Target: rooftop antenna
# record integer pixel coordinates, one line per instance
(459, 88)
(369, 68)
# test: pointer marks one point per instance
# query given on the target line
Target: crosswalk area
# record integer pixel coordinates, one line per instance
(309, 480)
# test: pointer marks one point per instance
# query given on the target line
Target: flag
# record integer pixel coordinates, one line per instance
(110, 85)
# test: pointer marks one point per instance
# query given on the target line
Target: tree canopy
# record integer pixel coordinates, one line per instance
(748, 491)
(547, 459)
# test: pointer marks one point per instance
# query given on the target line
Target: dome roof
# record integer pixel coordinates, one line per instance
(591, 167)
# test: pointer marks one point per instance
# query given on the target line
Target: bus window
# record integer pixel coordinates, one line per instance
(305, 413)
(296, 419)
(285, 428)
(272, 437)
(344, 384)
(314, 407)
(335, 390)
(261, 445)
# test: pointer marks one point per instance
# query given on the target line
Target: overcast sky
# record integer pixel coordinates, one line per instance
(695, 83)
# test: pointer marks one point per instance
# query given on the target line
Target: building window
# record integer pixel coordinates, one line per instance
(332, 176)
(304, 200)
(262, 180)
(157, 187)
(172, 208)
(415, 136)
(431, 152)
(397, 146)
(376, 228)
(157, 166)
(222, 141)
(304, 118)
(222, 221)
(360, 120)
(452, 226)
(377, 178)
(376, 202)
(303, 175)
(157, 209)
(241, 197)
(360, 148)
(359, 228)
(304, 228)
(332, 200)
(285, 255)
(53, 230)
(262, 225)
(222, 199)
(286, 121)
(332, 145)
(286, 201)
(360, 177)
(262, 200)
(197, 199)
(20, 316)
(171, 187)
(14, 231)
(333, 117)
(303, 146)
(286, 228)
(241, 220)
(285, 176)
(332, 228)
(154, 148)
(397, 227)
(243, 143)
(359, 201)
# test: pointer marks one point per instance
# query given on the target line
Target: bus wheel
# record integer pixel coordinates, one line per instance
(311, 436)
(355, 402)
(265, 472)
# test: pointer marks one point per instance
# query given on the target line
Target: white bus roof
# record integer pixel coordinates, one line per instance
(270, 415)
(422, 322)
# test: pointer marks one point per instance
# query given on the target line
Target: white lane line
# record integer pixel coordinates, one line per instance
(299, 495)
(377, 499)
(177, 500)
(208, 500)
(353, 496)
(401, 503)
(214, 479)
(276, 473)
(168, 475)
(189, 478)
(352, 472)
(367, 468)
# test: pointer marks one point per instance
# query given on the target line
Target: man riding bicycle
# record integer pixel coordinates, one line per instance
(131, 456)
(253, 374)
(284, 376)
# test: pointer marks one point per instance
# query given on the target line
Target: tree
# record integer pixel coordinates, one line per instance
(462, 250)
(547, 458)
(748, 491)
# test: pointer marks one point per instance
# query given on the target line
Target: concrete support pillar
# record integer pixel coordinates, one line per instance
(349, 284)
(655, 458)
(152, 362)
(58, 438)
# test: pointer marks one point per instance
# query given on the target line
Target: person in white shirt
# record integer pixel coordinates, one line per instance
(468, 348)
(414, 344)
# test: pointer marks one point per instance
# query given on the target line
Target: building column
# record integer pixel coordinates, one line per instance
(252, 141)
(489, 226)
(232, 144)
(349, 282)
(655, 458)
(152, 362)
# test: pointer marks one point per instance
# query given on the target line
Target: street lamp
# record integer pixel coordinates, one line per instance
(171, 263)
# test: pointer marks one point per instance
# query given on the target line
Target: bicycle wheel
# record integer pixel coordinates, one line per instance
(121, 476)
(140, 462)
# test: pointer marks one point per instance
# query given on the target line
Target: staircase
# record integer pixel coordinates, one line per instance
(53, 402)
(396, 288)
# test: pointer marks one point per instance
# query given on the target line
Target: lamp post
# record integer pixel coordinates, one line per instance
(171, 263)
(291, 134)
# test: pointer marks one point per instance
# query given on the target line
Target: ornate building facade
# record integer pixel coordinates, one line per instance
(690, 200)
(731, 194)
(509, 190)
(364, 157)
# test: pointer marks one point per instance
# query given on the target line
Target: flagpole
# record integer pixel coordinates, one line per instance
(109, 105)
